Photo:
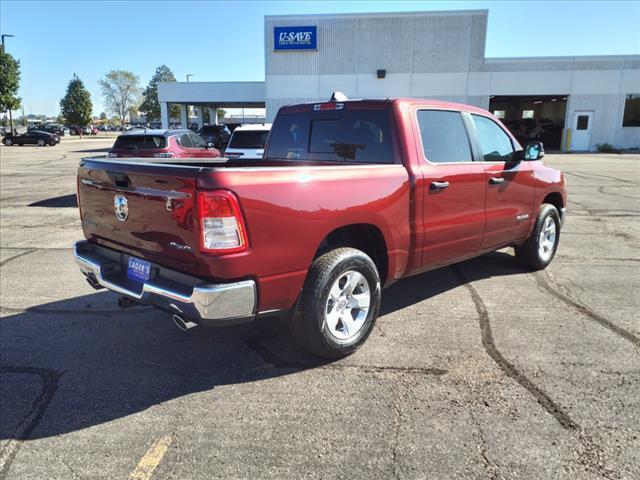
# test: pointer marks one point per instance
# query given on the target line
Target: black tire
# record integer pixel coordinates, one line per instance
(41, 143)
(8, 142)
(529, 253)
(308, 324)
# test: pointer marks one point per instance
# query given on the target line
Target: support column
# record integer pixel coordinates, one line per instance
(184, 115)
(199, 115)
(213, 116)
(164, 114)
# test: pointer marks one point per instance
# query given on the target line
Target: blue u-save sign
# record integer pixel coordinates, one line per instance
(295, 38)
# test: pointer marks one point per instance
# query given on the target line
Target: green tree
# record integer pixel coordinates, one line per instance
(150, 105)
(221, 113)
(9, 83)
(76, 106)
(103, 116)
(121, 90)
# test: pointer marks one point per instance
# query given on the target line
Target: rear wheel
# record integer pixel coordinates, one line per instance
(339, 304)
(41, 142)
(538, 251)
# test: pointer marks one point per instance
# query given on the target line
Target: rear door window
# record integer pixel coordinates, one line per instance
(444, 136)
(197, 141)
(185, 141)
(140, 142)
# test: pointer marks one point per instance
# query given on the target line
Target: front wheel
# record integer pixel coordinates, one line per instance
(540, 248)
(8, 142)
(339, 304)
(41, 142)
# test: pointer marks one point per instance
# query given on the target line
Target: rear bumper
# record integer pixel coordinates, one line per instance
(207, 304)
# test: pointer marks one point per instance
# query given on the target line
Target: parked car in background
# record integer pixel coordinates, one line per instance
(32, 137)
(247, 142)
(350, 197)
(54, 128)
(76, 130)
(162, 144)
(219, 135)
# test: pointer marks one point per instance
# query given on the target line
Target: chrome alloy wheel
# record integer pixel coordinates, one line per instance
(348, 305)
(547, 239)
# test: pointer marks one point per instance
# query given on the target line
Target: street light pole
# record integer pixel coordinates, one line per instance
(3, 36)
(189, 75)
(10, 116)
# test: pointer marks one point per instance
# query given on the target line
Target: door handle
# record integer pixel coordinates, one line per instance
(438, 185)
(496, 180)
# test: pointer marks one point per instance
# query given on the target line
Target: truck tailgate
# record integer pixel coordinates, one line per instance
(143, 209)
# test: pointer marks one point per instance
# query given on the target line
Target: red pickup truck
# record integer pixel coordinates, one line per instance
(350, 196)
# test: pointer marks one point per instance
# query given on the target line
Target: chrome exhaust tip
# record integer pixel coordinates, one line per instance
(183, 324)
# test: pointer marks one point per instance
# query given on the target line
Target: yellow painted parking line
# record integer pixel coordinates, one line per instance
(151, 459)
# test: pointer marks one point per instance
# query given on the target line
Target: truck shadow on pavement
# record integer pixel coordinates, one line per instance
(80, 362)
(64, 201)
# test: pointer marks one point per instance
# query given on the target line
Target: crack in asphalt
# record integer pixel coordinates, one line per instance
(50, 382)
(490, 467)
(555, 410)
(49, 311)
(592, 455)
(603, 191)
(545, 283)
(46, 249)
(255, 344)
(4, 262)
(397, 424)
(591, 176)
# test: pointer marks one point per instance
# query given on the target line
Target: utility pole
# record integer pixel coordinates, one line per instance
(188, 76)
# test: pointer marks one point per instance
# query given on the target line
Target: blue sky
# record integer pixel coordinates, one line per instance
(224, 40)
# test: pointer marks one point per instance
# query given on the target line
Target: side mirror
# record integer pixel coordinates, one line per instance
(533, 151)
(210, 145)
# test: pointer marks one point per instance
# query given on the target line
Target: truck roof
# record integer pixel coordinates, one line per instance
(379, 103)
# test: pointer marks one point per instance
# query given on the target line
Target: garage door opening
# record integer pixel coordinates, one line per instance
(532, 117)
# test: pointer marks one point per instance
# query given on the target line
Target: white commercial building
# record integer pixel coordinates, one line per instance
(570, 103)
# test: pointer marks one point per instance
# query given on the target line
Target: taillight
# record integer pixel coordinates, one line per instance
(163, 155)
(221, 225)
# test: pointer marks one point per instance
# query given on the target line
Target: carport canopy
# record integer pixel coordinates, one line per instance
(211, 95)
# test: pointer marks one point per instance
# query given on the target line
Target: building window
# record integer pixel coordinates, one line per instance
(499, 113)
(631, 111)
(583, 122)
(527, 113)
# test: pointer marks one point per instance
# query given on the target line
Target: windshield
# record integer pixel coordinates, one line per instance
(140, 142)
(248, 139)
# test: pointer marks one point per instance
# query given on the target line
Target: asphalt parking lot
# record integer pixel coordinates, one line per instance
(477, 371)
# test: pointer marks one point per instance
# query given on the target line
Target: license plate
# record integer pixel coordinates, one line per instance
(138, 270)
